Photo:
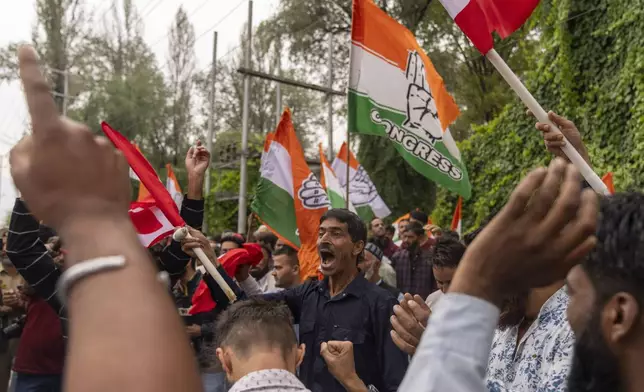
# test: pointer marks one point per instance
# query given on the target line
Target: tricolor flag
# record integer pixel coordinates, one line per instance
(329, 181)
(479, 18)
(289, 200)
(172, 185)
(456, 220)
(267, 144)
(395, 92)
(608, 180)
(157, 217)
(362, 191)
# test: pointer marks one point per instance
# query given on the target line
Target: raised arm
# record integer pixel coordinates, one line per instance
(79, 185)
(31, 258)
(173, 259)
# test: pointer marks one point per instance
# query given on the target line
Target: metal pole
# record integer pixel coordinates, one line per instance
(329, 100)
(211, 118)
(243, 172)
(1, 169)
(278, 87)
(348, 166)
(65, 91)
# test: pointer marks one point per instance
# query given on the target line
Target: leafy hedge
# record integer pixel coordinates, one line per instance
(591, 70)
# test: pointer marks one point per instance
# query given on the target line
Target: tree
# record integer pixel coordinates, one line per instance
(181, 63)
(127, 88)
(59, 36)
(590, 68)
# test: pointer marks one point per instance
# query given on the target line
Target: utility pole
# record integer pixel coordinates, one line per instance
(329, 100)
(211, 119)
(278, 87)
(1, 169)
(243, 172)
(65, 94)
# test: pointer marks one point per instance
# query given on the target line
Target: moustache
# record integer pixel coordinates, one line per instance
(325, 247)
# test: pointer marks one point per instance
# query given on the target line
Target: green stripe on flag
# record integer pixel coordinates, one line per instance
(275, 208)
(432, 161)
(337, 201)
(365, 213)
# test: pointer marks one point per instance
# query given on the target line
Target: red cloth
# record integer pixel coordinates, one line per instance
(146, 174)
(479, 18)
(41, 350)
(250, 254)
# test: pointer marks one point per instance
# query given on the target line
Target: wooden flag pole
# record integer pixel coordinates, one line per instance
(348, 167)
(182, 233)
(519, 88)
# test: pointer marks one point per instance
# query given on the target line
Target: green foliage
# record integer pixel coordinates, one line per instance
(591, 69)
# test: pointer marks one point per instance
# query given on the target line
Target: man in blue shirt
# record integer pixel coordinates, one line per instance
(345, 307)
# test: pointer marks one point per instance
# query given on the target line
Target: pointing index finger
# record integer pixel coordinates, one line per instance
(42, 108)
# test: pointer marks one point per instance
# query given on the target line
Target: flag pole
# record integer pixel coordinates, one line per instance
(519, 88)
(348, 167)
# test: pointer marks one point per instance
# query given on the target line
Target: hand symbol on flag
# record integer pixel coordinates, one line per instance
(361, 189)
(421, 108)
(312, 194)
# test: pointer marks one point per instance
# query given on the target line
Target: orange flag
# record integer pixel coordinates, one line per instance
(309, 198)
(173, 187)
(608, 180)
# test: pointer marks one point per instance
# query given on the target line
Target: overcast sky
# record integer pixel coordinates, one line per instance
(18, 17)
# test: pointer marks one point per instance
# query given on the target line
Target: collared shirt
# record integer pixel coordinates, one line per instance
(454, 350)
(267, 284)
(270, 380)
(414, 273)
(542, 359)
(359, 314)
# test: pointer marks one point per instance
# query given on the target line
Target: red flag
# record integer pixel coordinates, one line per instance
(456, 220)
(146, 174)
(608, 180)
(479, 18)
(150, 223)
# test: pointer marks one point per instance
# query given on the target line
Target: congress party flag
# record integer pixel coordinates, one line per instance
(456, 220)
(395, 92)
(173, 187)
(329, 181)
(289, 199)
(362, 191)
(479, 18)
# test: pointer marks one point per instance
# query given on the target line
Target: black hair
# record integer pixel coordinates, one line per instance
(451, 234)
(232, 237)
(256, 323)
(416, 228)
(390, 229)
(267, 238)
(617, 261)
(217, 237)
(373, 219)
(286, 250)
(447, 252)
(355, 225)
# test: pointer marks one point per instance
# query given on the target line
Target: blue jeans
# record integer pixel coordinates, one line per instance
(38, 383)
(212, 382)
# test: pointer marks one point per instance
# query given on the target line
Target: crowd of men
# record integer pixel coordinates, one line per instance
(546, 295)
